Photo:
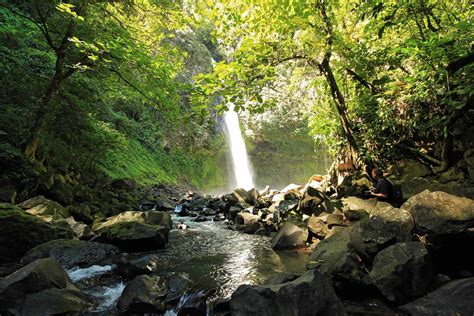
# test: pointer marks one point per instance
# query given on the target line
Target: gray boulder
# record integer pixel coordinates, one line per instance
(21, 231)
(41, 288)
(150, 294)
(402, 271)
(72, 253)
(440, 212)
(310, 294)
(414, 186)
(336, 259)
(355, 208)
(314, 201)
(130, 266)
(291, 235)
(385, 226)
(144, 294)
(247, 222)
(135, 236)
(453, 298)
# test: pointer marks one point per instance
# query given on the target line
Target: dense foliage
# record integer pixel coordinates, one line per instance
(98, 90)
(383, 78)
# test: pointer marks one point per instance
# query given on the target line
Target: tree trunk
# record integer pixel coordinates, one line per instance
(45, 105)
(340, 103)
(40, 120)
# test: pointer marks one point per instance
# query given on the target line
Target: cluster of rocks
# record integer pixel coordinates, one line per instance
(292, 216)
(42, 286)
(39, 238)
(411, 260)
(414, 177)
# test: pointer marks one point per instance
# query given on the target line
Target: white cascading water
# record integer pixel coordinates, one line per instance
(240, 160)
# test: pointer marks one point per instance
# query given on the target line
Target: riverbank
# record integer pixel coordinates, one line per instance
(361, 256)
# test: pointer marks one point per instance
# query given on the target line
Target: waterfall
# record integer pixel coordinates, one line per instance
(240, 160)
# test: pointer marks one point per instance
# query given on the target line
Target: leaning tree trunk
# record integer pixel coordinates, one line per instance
(340, 103)
(325, 68)
(39, 123)
(60, 74)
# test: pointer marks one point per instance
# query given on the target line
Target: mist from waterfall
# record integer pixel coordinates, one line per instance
(240, 161)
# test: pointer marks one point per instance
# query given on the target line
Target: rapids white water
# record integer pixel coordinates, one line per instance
(240, 160)
(79, 274)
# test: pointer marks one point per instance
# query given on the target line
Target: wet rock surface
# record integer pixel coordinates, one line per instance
(72, 253)
(41, 288)
(308, 294)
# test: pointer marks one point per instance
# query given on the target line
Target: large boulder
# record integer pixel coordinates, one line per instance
(130, 266)
(317, 227)
(247, 222)
(21, 231)
(336, 259)
(408, 169)
(135, 236)
(165, 206)
(414, 186)
(440, 212)
(291, 235)
(41, 288)
(144, 294)
(310, 294)
(150, 217)
(354, 184)
(355, 208)
(386, 225)
(314, 201)
(39, 205)
(284, 206)
(402, 271)
(453, 298)
(72, 253)
(150, 294)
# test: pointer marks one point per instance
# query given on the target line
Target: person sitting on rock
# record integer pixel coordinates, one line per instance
(181, 225)
(383, 187)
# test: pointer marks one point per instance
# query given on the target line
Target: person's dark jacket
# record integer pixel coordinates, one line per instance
(385, 187)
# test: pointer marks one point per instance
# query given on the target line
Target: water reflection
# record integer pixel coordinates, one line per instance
(213, 256)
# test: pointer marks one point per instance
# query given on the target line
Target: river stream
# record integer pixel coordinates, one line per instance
(207, 253)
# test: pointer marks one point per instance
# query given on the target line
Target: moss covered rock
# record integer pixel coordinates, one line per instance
(39, 205)
(150, 217)
(21, 231)
(135, 236)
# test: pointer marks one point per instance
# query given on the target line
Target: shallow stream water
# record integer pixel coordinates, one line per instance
(211, 256)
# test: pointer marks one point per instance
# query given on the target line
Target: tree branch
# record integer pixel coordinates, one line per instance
(456, 65)
(420, 154)
(133, 86)
(362, 81)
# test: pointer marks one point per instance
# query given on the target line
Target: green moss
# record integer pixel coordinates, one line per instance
(203, 169)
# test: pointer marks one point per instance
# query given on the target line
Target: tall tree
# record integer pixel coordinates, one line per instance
(119, 37)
